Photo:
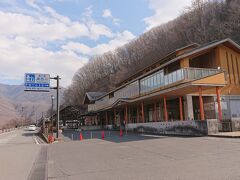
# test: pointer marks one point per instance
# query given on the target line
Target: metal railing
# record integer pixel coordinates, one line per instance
(197, 73)
(174, 77)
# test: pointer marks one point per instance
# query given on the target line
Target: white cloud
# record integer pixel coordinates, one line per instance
(108, 14)
(29, 59)
(33, 4)
(164, 11)
(45, 28)
(24, 40)
(119, 40)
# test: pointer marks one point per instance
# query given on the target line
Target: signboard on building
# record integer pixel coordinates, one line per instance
(37, 82)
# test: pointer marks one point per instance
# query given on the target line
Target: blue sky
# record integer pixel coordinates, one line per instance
(59, 36)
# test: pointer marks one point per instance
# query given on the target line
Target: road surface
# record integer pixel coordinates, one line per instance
(19, 152)
(135, 157)
(144, 158)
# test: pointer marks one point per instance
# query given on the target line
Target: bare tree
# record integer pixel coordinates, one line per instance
(203, 21)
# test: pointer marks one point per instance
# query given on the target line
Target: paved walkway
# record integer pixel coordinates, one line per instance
(18, 152)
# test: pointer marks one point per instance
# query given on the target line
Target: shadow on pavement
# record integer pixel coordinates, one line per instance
(111, 136)
(29, 133)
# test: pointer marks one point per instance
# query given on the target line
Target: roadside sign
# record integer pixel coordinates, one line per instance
(37, 82)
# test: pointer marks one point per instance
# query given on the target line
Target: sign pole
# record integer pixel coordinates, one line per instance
(57, 106)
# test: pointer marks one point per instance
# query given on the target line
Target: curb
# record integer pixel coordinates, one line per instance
(224, 136)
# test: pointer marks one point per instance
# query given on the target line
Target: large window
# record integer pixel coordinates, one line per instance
(158, 80)
(130, 90)
(152, 82)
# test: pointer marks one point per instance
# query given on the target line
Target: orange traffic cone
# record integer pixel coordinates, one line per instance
(102, 134)
(52, 138)
(49, 138)
(80, 137)
(121, 133)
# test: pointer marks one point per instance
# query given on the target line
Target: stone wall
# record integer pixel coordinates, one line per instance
(235, 124)
(212, 126)
(185, 128)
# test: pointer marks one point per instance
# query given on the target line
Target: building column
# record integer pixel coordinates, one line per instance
(137, 114)
(155, 112)
(115, 117)
(188, 107)
(219, 104)
(180, 108)
(126, 114)
(165, 108)
(106, 118)
(142, 112)
(201, 103)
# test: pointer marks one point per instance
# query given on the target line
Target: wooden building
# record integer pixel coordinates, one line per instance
(196, 82)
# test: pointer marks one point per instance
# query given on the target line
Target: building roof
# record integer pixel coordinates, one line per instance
(170, 55)
(91, 97)
(227, 42)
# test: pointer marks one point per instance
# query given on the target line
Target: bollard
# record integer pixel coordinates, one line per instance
(121, 133)
(91, 135)
(80, 137)
(102, 134)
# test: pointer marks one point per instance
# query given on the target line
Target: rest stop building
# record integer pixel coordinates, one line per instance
(193, 90)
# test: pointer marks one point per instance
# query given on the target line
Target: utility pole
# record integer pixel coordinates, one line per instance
(22, 116)
(57, 106)
(52, 98)
(57, 78)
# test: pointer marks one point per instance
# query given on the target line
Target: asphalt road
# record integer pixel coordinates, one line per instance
(19, 151)
(144, 158)
(133, 157)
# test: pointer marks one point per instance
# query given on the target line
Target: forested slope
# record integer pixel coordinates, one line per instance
(203, 22)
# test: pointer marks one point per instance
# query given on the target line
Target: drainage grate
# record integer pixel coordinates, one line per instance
(39, 169)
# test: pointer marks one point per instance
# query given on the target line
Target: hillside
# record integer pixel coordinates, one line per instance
(202, 22)
(17, 104)
(7, 111)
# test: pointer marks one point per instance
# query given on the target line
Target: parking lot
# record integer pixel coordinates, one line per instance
(143, 157)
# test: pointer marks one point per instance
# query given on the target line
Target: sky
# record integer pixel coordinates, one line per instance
(57, 37)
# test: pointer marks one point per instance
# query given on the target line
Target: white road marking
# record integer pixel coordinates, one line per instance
(35, 140)
(149, 135)
(7, 139)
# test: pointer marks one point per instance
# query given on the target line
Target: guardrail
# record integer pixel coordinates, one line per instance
(9, 130)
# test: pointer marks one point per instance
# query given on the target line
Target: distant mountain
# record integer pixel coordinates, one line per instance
(17, 104)
(7, 111)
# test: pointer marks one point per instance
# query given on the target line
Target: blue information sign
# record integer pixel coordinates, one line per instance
(37, 82)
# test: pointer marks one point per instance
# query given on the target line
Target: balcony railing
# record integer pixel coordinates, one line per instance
(153, 82)
(158, 80)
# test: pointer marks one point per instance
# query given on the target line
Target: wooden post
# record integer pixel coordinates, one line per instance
(165, 108)
(142, 112)
(155, 112)
(201, 103)
(180, 108)
(219, 104)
